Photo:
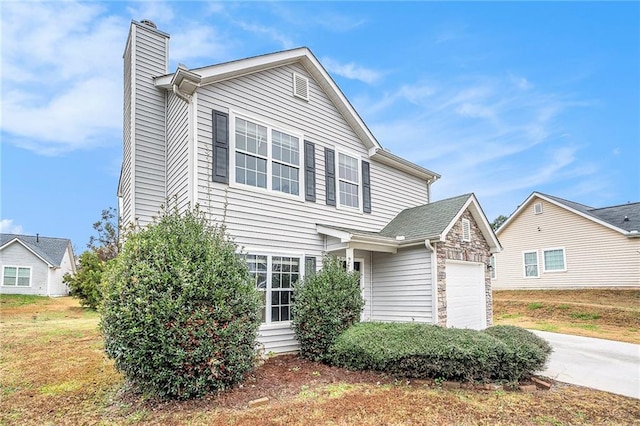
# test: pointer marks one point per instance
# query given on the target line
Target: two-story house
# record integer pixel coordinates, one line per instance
(272, 147)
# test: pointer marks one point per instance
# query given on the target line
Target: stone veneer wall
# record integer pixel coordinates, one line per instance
(476, 250)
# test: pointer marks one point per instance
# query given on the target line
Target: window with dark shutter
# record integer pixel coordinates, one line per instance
(366, 188)
(330, 175)
(310, 171)
(220, 147)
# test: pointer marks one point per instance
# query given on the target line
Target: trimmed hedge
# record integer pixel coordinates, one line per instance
(429, 351)
(525, 352)
(324, 305)
(180, 313)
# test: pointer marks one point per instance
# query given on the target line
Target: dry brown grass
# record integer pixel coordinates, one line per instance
(53, 371)
(612, 314)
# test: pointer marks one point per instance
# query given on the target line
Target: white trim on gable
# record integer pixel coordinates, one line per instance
(534, 195)
(28, 248)
(481, 220)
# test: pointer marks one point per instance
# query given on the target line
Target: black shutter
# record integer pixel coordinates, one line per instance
(309, 265)
(366, 188)
(309, 171)
(330, 175)
(220, 147)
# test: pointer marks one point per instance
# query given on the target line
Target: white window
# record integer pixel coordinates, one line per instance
(16, 276)
(537, 208)
(466, 230)
(554, 260)
(275, 276)
(530, 264)
(266, 157)
(349, 180)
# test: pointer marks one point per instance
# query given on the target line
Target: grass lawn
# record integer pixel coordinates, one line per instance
(53, 371)
(605, 314)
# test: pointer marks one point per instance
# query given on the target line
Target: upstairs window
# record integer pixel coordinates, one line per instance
(349, 180)
(266, 157)
(16, 276)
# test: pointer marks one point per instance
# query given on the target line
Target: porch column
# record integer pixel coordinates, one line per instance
(350, 255)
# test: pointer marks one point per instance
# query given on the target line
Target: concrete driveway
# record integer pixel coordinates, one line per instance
(595, 363)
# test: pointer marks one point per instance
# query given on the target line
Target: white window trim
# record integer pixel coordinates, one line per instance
(535, 208)
(17, 269)
(232, 156)
(467, 223)
(564, 260)
(524, 264)
(270, 254)
(358, 157)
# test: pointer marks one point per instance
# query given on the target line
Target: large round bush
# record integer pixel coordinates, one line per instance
(324, 305)
(180, 313)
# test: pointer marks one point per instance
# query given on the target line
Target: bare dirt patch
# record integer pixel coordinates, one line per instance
(607, 314)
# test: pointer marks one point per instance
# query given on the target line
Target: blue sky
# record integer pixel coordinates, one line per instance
(501, 99)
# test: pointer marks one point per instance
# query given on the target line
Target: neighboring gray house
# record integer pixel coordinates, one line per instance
(270, 145)
(553, 243)
(35, 265)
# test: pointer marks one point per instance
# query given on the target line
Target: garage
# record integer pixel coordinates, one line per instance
(466, 299)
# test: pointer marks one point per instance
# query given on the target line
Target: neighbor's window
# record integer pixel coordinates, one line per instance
(275, 276)
(266, 157)
(554, 260)
(16, 276)
(530, 264)
(349, 179)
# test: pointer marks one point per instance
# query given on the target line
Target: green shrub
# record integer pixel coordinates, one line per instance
(85, 284)
(525, 352)
(504, 353)
(418, 350)
(325, 304)
(180, 314)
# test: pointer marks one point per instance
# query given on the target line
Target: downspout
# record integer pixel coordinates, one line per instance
(181, 95)
(434, 280)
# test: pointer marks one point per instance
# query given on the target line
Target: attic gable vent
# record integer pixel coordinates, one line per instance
(537, 208)
(300, 87)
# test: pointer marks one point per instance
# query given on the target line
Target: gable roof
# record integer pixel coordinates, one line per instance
(184, 82)
(431, 221)
(49, 250)
(623, 218)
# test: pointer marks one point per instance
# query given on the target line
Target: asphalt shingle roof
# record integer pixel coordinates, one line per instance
(613, 215)
(50, 249)
(426, 221)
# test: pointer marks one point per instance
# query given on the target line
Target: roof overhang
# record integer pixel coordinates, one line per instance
(385, 157)
(534, 195)
(476, 211)
(187, 81)
(18, 240)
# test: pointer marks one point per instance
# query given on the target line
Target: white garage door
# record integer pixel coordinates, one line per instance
(466, 300)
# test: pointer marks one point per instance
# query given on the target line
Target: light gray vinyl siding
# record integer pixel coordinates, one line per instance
(126, 213)
(401, 286)
(277, 339)
(16, 254)
(149, 126)
(596, 256)
(178, 152)
(268, 221)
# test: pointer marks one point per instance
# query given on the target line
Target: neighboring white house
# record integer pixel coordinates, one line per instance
(270, 145)
(35, 265)
(550, 243)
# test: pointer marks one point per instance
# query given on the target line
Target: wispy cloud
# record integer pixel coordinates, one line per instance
(271, 32)
(53, 99)
(8, 227)
(352, 71)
